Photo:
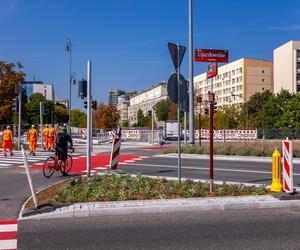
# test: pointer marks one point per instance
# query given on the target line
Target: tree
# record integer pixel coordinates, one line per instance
(106, 116)
(78, 118)
(10, 75)
(142, 121)
(162, 109)
(61, 114)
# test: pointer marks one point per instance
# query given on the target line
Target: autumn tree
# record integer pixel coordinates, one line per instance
(162, 109)
(10, 75)
(106, 116)
(61, 114)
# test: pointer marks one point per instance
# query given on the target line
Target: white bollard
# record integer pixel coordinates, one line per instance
(29, 177)
(287, 152)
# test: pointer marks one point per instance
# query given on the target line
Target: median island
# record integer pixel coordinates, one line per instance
(123, 187)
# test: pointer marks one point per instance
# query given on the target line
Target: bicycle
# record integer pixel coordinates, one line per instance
(52, 164)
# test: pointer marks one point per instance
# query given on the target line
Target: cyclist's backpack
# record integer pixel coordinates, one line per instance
(61, 140)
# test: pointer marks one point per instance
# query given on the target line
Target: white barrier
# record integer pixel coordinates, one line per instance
(230, 134)
(287, 151)
(115, 153)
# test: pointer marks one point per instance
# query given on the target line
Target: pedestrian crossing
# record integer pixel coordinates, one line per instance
(17, 159)
(8, 235)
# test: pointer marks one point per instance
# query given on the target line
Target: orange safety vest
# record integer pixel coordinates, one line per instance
(32, 134)
(7, 135)
(46, 132)
(51, 132)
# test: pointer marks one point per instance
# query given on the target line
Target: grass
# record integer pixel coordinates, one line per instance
(256, 148)
(113, 187)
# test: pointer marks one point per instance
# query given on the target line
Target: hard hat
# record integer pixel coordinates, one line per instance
(33, 126)
(8, 127)
(47, 126)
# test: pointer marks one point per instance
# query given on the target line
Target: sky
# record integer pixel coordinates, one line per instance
(126, 40)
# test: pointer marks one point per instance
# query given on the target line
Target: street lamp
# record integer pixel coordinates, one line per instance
(69, 50)
(245, 100)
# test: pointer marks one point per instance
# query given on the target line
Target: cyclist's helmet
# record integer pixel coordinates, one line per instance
(64, 129)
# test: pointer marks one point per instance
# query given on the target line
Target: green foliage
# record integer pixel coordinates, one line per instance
(112, 187)
(142, 121)
(61, 114)
(78, 118)
(162, 109)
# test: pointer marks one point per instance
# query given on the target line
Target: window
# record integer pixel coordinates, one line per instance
(233, 80)
(263, 71)
(233, 72)
(298, 88)
(263, 80)
(298, 53)
(298, 65)
(298, 77)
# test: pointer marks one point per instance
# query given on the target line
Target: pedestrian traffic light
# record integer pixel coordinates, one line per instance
(85, 104)
(15, 105)
(149, 113)
(214, 107)
(206, 111)
(94, 105)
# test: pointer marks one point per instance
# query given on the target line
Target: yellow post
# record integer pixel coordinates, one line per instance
(276, 171)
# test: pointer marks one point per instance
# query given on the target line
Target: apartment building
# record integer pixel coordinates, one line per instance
(47, 90)
(115, 93)
(235, 82)
(287, 67)
(145, 100)
(122, 107)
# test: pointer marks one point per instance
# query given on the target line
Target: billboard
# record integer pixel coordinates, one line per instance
(211, 55)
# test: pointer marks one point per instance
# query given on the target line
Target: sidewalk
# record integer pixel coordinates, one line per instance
(223, 157)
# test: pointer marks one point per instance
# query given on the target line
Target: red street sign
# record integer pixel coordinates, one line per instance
(211, 55)
(212, 70)
(211, 96)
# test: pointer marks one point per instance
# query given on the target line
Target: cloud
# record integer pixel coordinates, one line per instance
(286, 28)
(8, 7)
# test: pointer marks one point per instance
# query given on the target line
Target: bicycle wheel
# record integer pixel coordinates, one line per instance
(69, 163)
(49, 167)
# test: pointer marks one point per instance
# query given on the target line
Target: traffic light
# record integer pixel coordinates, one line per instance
(206, 111)
(94, 105)
(149, 113)
(214, 107)
(85, 104)
(15, 105)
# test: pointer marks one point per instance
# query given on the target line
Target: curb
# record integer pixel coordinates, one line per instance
(166, 206)
(222, 157)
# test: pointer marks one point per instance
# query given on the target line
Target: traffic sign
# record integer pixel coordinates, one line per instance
(211, 55)
(176, 55)
(172, 88)
(212, 70)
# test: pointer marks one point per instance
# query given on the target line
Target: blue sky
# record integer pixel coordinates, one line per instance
(126, 40)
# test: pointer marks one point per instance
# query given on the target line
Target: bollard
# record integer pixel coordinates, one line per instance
(276, 171)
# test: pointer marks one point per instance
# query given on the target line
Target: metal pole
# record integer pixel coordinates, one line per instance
(69, 48)
(41, 124)
(211, 138)
(152, 135)
(185, 135)
(178, 113)
(246, 113)
(20, 90)
(191, 75)
(199, 124)
(89, 122)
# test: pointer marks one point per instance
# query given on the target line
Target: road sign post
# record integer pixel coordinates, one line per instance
(41, 124)
(177, 52)
(89, 118)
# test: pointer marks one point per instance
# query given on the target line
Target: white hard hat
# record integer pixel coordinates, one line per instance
(8, 127)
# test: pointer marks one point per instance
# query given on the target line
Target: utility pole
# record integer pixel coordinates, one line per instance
(69, 49)
(41, 123)
(191, 75)
(20, 90)
(152, 119)
(178, 112)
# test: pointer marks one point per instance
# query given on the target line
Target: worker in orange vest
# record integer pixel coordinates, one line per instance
(45, 134)
(32, 136)
(7, 141)
(51, 135)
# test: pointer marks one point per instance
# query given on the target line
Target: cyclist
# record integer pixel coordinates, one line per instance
(61, 148)
(32, 136)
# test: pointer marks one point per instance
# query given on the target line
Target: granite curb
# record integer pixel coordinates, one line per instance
(166, 206)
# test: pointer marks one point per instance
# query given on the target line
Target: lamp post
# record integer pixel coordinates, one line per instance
(199, 99)
(245, 100)
(69, 50)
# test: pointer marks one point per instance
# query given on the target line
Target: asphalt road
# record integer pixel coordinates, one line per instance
(244, 229)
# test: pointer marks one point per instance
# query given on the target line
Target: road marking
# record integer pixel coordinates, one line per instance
(129, 161)
(198, 168)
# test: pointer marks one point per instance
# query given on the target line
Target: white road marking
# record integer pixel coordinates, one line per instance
(8, 244)
(8, 227)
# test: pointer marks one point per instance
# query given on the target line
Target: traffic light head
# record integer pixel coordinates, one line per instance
(15, 105)
(149, 113)
(206, 111)
(214, 107)
(85, 104)
(94, 104)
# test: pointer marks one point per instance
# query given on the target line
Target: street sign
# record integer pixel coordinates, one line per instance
(172, 88)
(212, 70)
(176, 57)
(211, 55)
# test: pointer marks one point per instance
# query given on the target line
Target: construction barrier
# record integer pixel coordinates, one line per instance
(227, 134)
(276, 172)
(115, 153)
(287, 149)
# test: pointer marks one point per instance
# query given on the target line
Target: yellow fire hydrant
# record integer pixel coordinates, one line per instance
(276, 171)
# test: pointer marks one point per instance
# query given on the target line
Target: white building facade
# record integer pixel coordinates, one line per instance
(235, 82)
(287, 67)
(145, 100)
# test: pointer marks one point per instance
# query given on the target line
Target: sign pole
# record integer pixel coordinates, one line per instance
(199, 124)
(20, 90)
(89, 119)
(41, 122)
(185, 134)
(178, 112)
(191, 76)
(211, 138)
(152, 123)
